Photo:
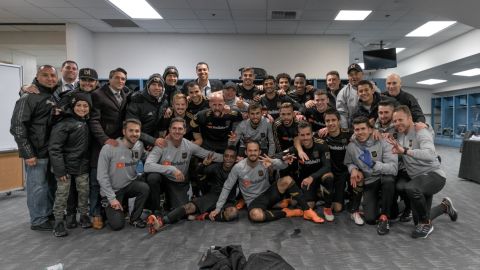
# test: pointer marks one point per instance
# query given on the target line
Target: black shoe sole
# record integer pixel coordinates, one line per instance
(60, 234)
(43, 229)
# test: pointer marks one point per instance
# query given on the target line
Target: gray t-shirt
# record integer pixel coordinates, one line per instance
(263, 134)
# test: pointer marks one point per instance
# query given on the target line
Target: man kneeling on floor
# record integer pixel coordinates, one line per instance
(215, 174)
(260, 197)
(372, 167)
(117, 177)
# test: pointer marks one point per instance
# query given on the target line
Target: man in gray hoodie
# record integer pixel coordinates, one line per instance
(372, 166)
(117, 177)
(425, 177)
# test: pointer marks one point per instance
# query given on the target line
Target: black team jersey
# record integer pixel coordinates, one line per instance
(247, 95)
(165, 124)
(317, 165)
(284, 135)
(273, 105)
(302, 99)
(338, 147)
(195, 108)
(215, 130)
(315, 118)
(215, 176)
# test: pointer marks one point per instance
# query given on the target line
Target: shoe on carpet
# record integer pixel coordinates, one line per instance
(383, 226)
(450, 209)
(312, 215)
(59, 229)
(293, 212)
(357, 218)
(422, 230)
(45, 226)
(328, 214)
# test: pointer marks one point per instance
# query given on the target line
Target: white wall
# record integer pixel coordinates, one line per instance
(424, 98)
(143, 54)
(79, 43)
(28, 62)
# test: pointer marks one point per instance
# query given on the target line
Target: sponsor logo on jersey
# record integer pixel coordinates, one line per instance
(184, 155)
(260, 173)
(120, 165)
(374, 153)
(166, 162)
(246, 183)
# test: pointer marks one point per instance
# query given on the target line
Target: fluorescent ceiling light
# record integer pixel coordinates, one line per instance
(468, 73)
(362, 65)
(397, 50)
(352, 15)
(430, 28)
(136, 9)
(432, 81)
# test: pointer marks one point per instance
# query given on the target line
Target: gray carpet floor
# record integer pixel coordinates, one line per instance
(337, 245)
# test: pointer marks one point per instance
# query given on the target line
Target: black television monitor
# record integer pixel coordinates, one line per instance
(380, 59)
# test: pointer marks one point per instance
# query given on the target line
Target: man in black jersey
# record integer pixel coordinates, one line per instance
(247, 89)
(313, 172)
(285, 128)
(314, 115)
(272, 101)
(283, 82)
(196, 100)
(337, 141)
(215, 124)
(299, 93)
(216, 174)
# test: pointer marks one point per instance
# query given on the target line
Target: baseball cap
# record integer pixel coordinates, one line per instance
(88, 73)
(355, 67)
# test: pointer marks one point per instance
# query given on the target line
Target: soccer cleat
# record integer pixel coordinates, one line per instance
(383, 226)
(240, 204)
(59, 229)
(284, 203)
(293, 212)
(357, 218)
(327, 213)
(202, 217)
(422, 230)
(85, 221)
(449, 209)
(154, 224)
(312, 215)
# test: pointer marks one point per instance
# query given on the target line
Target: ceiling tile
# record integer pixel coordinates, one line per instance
(190, 24)
(68, 13)
(153, 24)
(213, 14)
(129, 29)
(105, 13)
(387, 15)
(247, 27)
(49, 3)
(218, 24)
(318, 15)
(191, 30)
(30, 12)
(248, 4)
(313, 25)
(337, 32)
(285, 4)
(176, 4)
(228, 30)
(249, 14)
(208, 4)
(89, 3)
(282, 27)
(178, 14)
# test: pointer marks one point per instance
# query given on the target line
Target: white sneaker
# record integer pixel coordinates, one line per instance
(357, 218)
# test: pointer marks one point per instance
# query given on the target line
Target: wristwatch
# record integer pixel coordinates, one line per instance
(405, 150)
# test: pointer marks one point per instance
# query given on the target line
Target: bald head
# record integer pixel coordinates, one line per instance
(394, 84)
(216, 103)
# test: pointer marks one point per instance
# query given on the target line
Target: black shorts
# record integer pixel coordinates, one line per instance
(267, 199)
(311, 194)
(208, 202)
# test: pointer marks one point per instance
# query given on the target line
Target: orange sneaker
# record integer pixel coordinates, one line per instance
(284, 203)
(154, 224)
(240, 204)
(312, 215)
(293, 212)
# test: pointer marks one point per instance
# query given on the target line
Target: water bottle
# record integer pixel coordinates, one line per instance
(58, 266)
(139, 169)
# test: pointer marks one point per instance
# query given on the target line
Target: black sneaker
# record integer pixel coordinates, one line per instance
(406, 216)
(450, 210)
(422, 230)
(59, 230)
(71, 221)
(85, 221)
(139, 223)
(45, 226)
(383, 226)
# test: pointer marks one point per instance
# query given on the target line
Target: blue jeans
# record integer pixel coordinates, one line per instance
(94, 193)
(39, 197)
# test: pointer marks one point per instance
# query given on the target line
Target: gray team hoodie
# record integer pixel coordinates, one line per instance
(385, 161)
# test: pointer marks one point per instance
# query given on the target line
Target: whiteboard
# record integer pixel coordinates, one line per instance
(10, 83)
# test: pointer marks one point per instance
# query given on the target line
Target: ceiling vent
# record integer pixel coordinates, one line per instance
(284, 15)
(118, 23)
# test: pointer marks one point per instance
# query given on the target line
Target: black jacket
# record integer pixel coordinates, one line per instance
(373, 112)
(106, 118)
(170, 91)
(149, 110)
(409, 100)
(31, 121)
(68, 146)
(216, 85)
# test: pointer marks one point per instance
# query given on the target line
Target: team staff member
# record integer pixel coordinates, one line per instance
(118, 178)
(334, 85)
(215, 124)
(285, 128)
(255, 128)
(30, 127)
(168, 166)
(372, 166)
(252, 176)
(149, 107)
(216, 174)
(337, 140)
(68, 149)
(207, 86)
(314, 171)
(394, 90)
(108, 109)
(170, 77)
(426, 178)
